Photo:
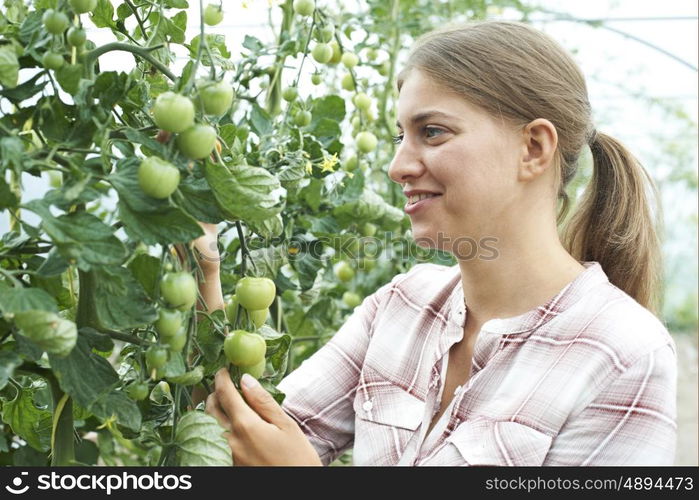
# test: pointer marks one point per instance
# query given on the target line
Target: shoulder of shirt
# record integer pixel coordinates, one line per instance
(425, 284)
(623, 325)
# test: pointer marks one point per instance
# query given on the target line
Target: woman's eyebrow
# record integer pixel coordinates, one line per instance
(424, 116)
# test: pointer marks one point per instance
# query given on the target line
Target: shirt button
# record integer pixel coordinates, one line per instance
(367, 406)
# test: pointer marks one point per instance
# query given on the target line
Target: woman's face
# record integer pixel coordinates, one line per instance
(451, 149)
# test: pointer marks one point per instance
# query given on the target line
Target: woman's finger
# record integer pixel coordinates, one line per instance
(213, 409)
(231, 402)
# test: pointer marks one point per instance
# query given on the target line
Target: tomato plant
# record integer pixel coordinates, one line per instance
(105, 172)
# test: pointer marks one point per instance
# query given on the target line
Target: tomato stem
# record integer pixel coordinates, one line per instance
(142, 52)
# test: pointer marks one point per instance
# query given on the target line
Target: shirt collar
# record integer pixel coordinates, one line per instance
(592, 276)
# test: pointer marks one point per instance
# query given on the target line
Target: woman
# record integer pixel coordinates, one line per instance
(546, 352)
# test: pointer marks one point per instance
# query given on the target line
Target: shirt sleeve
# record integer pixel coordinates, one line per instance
(320, 392)
(632, 421)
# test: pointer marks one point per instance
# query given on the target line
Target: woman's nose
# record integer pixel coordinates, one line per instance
(405, 164)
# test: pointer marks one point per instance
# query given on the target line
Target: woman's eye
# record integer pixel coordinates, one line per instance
(431, 132)
(397, 139)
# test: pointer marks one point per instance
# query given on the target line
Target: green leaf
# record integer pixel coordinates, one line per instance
(196, 200)
(217, 48)
(17, 300)
(146, 270)
(171, 225)
(103, 14)
(110, 87)
(82, 237)
(260, 121)
(176, 4)
(29, 422)
(68, 77)
(268, 228)
(11, 153)
(54, 265)
(9, 360)
(9, 67)
(244, 192)
(209, 339)
(331, 107)
(278, 345)
(49, 331)
(92, 382)
(120, 300)
(253, 44)
(200, 441)
(23, 91)
(174, 367)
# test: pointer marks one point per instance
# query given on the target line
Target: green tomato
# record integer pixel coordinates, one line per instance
(304, 7)
(337, 52)
(325, 34)
(176, 342)
(362, 101)
(290, 94)
(322, 52)
(302, 118)
(179, 290)
(82, 6)
(156, 357)
(157, 177)
(255, 370)
(367, 264)
(343, 271)
(259, 318)
(351, 299)
(366, 142)
(173, 112)
(52, 60)
(244, 348)
(316, 79)
(216, 97)
(255, 293)
(348, 82)
(369, 229)
(138, 391)
(213, 14)
(55, 22)
(349, 59)
(351, 163)
(76, 37)
(197, 141)
(169, 322)
(372, 54)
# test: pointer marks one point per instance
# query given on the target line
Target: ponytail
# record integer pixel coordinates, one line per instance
(614, 223)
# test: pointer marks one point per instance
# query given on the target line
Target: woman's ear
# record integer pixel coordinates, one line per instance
(539, 141)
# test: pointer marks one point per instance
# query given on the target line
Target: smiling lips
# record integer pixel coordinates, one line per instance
(418, 199)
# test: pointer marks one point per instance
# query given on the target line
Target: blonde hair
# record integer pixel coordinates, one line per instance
(515, 72)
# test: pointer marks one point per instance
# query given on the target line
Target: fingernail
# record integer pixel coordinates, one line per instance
(248, 381)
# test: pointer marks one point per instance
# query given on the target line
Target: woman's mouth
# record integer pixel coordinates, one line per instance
(419, 202)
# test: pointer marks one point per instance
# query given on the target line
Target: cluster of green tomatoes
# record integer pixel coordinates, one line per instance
(175, 113)
(57, 23)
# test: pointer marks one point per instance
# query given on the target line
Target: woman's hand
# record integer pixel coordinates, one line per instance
(259, 431)
(206, 247)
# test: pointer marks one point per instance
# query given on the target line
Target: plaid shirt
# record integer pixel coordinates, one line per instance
(587, 379)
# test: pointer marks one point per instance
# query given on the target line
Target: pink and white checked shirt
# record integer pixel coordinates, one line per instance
(587, 379)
